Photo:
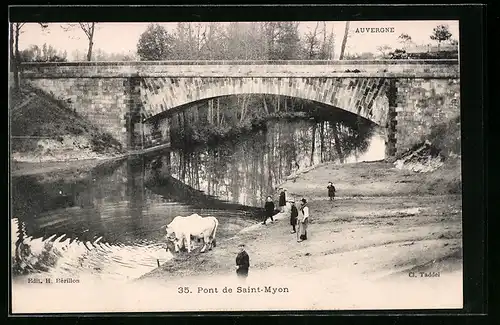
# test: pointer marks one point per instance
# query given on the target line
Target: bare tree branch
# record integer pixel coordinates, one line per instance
(88, 29)
(344, 40)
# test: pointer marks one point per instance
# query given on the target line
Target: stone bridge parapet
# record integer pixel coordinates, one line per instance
(407, 97)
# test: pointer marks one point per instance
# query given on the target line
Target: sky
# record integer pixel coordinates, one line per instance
(123, 37)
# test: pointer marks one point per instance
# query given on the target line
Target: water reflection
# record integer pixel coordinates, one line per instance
(106, 224)
(248, 168)
(109, 222)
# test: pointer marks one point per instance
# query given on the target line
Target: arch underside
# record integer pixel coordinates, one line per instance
(363, 97)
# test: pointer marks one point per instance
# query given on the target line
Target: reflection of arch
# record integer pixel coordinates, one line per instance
(172, 188)
(362, 96)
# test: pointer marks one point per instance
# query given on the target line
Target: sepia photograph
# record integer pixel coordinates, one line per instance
(235, 166)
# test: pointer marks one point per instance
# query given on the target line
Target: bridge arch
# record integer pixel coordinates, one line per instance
(420, 93)
(364, 97)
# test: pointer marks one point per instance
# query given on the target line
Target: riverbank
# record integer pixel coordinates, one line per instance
(385, 225)
(23, 168)
(46, 135)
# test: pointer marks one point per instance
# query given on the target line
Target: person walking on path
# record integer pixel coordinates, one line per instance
(269, 209)
(282, 199)
(331, 191)
(242, 262)
(294, 214)
(304, 221)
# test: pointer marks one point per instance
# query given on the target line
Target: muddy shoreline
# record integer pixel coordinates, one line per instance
(24, 168)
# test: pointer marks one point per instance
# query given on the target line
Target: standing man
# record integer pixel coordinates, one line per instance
(294, 214)
(242, 262)
(282, 199)
(331, 191)
(269, 209)
(304, 221)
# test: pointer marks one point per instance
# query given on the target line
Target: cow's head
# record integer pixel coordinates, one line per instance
(170, 236)
(170, 239)
(170, 246)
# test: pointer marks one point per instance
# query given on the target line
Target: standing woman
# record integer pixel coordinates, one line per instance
(282, 199)
(269, 209)
(304, 221)
(331, 191)
(242, 262)
(294, 214)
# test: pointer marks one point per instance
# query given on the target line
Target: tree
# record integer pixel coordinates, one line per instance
(15, 56)
(282, 40)
(100, 55)
(405, 39)
(44, 54)
(155, 44)
(344, 40)
(12, 57)
(270, 30)
(440, 33)
(312, 43)
(319, 43)
(243, 41)
(287, 41)
(383, 49)
(212, 38)
(328, 46)
(89, 30)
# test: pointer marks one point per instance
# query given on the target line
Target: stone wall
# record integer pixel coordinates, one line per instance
(104, 102)
(248, 69)
(156, 132)
(422, 104)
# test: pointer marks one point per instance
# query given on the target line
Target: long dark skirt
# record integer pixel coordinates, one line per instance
(303, 230)
(282, 200)
(268, 215)
(242, 272)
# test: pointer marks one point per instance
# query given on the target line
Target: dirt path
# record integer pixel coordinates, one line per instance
(377, 227)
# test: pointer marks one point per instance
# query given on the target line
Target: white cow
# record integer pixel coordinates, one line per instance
(182, 229)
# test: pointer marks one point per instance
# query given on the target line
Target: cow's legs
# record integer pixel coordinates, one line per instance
(188, 243)
(210, 243)
(206, 243)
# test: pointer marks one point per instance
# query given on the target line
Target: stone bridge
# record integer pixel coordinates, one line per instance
(404, 96)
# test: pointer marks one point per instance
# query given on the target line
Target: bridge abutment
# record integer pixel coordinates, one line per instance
(102, 101)
(134, 127)
(421, 105)
(391, 125)
(117, 96)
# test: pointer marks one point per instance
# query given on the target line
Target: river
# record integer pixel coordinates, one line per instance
(109, 223)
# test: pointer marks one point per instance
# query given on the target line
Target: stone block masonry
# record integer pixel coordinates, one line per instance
(364, 97)
(405, 97)
(422, 104)
(104, 102)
